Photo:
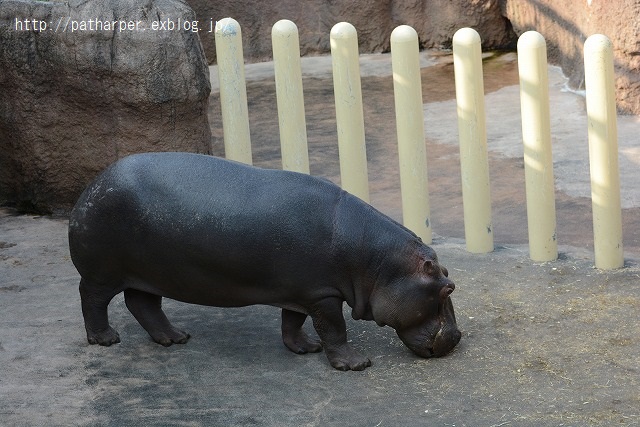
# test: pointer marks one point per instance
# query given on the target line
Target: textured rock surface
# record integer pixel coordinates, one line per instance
(435, 21)
(566, 28)
(71, 103)
(565, 25)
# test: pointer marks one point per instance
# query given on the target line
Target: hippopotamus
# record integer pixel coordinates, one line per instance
(209, 231)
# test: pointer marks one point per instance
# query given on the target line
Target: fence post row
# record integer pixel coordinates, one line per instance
(474, 163)
(290, 98)
(603, 152)
(536, 137)
(467, 57)
(233, 91)
(407, 89)
(349, 113)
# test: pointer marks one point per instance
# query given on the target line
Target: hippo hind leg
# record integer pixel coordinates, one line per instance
(95, 301)
(147, 309)
(294, 337)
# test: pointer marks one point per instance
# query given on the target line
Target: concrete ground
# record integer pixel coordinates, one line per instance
(544, 344)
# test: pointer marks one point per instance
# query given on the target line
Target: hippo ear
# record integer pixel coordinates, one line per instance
(444, 271)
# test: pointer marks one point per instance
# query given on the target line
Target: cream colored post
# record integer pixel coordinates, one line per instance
(536, 137)
(407, 89)
(290, 98)
(476, 195)
(349, 114)
(233, 91)
(603, 152)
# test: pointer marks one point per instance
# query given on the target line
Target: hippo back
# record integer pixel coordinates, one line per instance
(150, 214)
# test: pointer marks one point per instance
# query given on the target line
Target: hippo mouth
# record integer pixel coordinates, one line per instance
(440, 345)
(435, 339)
(445, 340)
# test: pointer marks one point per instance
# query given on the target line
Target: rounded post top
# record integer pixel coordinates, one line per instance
(531, 40)
(284, 27)
(403, 33)
(343, 30)
(598, 43)
(466, 37)
(227, 27)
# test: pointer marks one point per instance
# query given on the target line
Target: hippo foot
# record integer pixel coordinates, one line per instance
(294, 337)
(172, 336)
(105, 337)
(345, 358)
(301, 343)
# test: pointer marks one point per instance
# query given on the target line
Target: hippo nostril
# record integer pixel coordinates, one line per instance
(446, 291)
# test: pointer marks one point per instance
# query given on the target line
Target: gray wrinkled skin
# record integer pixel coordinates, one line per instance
(208, 231)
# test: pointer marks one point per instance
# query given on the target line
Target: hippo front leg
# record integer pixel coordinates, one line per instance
(329, 324)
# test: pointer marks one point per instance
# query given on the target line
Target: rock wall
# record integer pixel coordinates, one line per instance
(566, 26)
(73, 102)
(435, 21)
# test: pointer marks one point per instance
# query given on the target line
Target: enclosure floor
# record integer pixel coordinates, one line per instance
(544, 344)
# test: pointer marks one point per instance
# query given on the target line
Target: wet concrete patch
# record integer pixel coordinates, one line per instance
(573, 204)
(12, 288)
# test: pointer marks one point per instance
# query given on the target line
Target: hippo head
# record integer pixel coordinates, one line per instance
(418, 306)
